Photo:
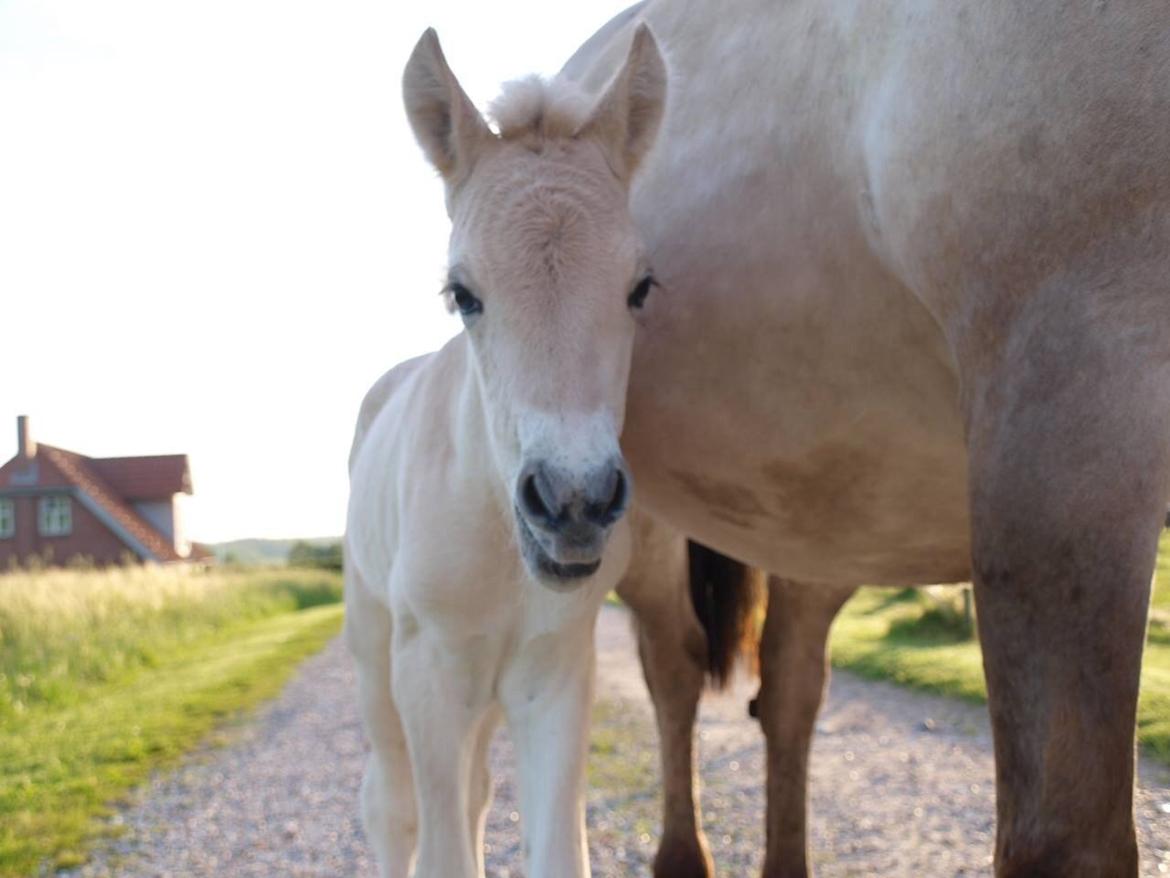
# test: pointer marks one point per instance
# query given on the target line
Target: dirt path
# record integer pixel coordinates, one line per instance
(902, 786)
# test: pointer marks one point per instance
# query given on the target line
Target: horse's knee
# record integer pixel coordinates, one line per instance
(794, 656)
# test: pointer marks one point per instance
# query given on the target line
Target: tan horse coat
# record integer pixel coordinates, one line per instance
(915, 327)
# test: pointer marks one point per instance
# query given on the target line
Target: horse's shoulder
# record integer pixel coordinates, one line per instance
(379, 394)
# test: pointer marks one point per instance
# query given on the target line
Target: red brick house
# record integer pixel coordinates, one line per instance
(58, 505)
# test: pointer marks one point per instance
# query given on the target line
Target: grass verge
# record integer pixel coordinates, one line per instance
(916, 640)
(76, 738)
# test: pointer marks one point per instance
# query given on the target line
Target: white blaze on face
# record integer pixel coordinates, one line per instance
(577, 445)
(545, 241)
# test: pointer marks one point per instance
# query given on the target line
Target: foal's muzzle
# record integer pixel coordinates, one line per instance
(564, 517)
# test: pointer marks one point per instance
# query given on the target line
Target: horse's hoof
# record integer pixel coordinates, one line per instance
(754, 708)
(683, 861)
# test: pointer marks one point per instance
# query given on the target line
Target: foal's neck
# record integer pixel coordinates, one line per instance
(471, 439)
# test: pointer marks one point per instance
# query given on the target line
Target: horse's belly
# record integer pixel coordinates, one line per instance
(867, 487)
(792, 403)
(855, 509)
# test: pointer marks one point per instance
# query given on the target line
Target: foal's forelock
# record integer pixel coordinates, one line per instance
(532, 108)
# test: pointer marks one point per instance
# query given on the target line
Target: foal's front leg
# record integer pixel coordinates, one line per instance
(480, 795)
(442, 688)
(547, 695)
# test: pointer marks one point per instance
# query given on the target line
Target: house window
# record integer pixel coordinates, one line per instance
(56, 517)
(7, 519)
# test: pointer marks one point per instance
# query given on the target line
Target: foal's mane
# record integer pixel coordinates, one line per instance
(540, 109)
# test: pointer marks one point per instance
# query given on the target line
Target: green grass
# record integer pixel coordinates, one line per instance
(110, 675)
(1161, 599)
(921, 640)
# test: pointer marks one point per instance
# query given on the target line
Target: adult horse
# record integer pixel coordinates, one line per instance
(915, 327)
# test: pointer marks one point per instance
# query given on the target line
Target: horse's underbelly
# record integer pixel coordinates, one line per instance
(868, 496)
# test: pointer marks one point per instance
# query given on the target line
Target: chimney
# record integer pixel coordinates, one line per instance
(26, 446)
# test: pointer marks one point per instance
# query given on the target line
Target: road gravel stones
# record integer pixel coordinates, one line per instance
(902, 786)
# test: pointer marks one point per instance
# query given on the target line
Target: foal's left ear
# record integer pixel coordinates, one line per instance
(447, 125)
(627, 117)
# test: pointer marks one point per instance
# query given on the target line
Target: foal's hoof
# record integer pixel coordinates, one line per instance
(754, 708)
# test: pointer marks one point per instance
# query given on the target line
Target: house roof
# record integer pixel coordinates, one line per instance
(158, 477)
(86, 475)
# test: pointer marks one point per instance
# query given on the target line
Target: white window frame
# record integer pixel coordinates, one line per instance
(55, 516)
(7, 518)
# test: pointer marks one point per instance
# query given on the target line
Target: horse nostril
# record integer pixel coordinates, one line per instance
(532, 501)
(611, 508)
(617, 504)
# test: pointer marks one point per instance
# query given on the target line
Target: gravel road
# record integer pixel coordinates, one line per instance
(902, 786)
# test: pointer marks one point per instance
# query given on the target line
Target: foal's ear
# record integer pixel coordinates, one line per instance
(626, 118)
(445, 122)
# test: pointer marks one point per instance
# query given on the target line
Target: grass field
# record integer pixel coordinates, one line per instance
(107, 675)
(919, 640)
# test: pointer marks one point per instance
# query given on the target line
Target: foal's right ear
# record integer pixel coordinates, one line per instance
(445, 122)
(626, 119)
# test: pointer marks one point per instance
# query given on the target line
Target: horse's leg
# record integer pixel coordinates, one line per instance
(480, 790)
(794, 669)
(1069, 437)
(442, 687)
(387, 794)
(672, 648)
(546, 694)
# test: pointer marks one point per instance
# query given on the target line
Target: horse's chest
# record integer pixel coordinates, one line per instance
(456, 598)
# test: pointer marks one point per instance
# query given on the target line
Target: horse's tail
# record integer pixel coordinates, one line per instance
(727, 596)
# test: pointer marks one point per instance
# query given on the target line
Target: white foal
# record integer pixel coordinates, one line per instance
(487, 485)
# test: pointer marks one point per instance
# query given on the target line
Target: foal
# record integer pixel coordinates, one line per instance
(486, 478)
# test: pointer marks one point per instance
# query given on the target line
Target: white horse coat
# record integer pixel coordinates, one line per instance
(487, 486)
(472, 632)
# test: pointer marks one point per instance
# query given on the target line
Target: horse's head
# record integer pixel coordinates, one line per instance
(547, 271)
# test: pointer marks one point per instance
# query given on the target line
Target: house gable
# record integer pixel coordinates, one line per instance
(106, 525)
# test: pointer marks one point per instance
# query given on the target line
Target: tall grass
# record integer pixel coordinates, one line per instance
(1160, 602)
(921, 639)
(107, 675)
(62, 631)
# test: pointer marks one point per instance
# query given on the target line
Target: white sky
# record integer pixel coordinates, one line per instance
(216, 229)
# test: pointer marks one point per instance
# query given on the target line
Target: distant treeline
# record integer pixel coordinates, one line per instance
(255, 552)
(318, 556)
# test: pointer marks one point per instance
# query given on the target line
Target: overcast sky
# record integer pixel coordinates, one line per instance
(216, 229)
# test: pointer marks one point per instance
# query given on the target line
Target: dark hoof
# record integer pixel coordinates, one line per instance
(682, 860)
(754, 708)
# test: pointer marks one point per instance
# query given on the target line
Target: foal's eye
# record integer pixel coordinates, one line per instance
(638, 297)
(465, 300)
